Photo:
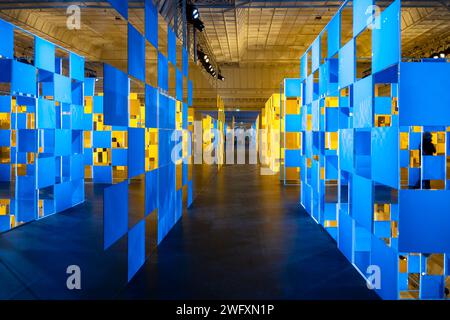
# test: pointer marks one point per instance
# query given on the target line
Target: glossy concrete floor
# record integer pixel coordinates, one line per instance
(244, 237)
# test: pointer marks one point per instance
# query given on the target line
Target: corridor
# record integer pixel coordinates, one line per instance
(246, 237)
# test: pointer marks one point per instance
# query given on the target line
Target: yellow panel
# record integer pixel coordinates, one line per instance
(293, 140)
(5, 121)
(5, 155)
(394, 229)
(4, 206)
(102, 156)
(87, 139)
(87, 172)
(331, 140)
(404, 140)
(119, 139)
(382, 212)
(292, 106)
(88, 103)
(120, 173)
(331, 224)
(293, 174)
(331, 102)
(403, 265)
(13, 138)
(414, 158)
(382, 120)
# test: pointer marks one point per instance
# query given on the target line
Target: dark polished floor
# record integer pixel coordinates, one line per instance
(244, 237)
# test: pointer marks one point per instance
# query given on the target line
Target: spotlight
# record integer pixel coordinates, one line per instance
(192, 12)
(442, 55)
(195, 14)
(220, 77)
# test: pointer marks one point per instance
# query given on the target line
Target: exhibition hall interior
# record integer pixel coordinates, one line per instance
(224, 150)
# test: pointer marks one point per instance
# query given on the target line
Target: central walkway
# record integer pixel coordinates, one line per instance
(247, 237)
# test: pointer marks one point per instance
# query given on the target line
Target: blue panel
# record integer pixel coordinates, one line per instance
(424, 103)
(292, 88)
(136, 53)
(163, 72)
(414, 264)
(23, 78)
(362, 15)
(44, 54)
(432, 287)
(5, 103)
(190, 93)
(151, 191)
(46, 172)
(185, 62)
(347, 64)
(136, 151)
(46, 117)
(346, 149)
(77, 93)
(136, 248)
(422, 232)
(77, 69)
(5, 138)
(332, 124)
(102, 174)
(163, 118)
(362, 201)
(309, 88)
(179, 85)
(383, 105)
(172, 46)
(63, 192)
(382, 229)
(362, 103)
(116, 87)
(315, 55)
(293, 122)
(433, 167)
(98, 104)
(89, 87)
(63, 142)
(5, 223)
(101, 139)
(292, 158)
(386, 38)
(63, 89)
(334, 35)
(115, 213)
(331, 167)
(27, 140)
(385, 155)
(77, 167)
(151, 23)
(151, 107)
(387, 260)
(121, 6)
(77, 116)
(7, 43)
(119, 157)
(190, 197)
(88, 122)
(304, 67)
